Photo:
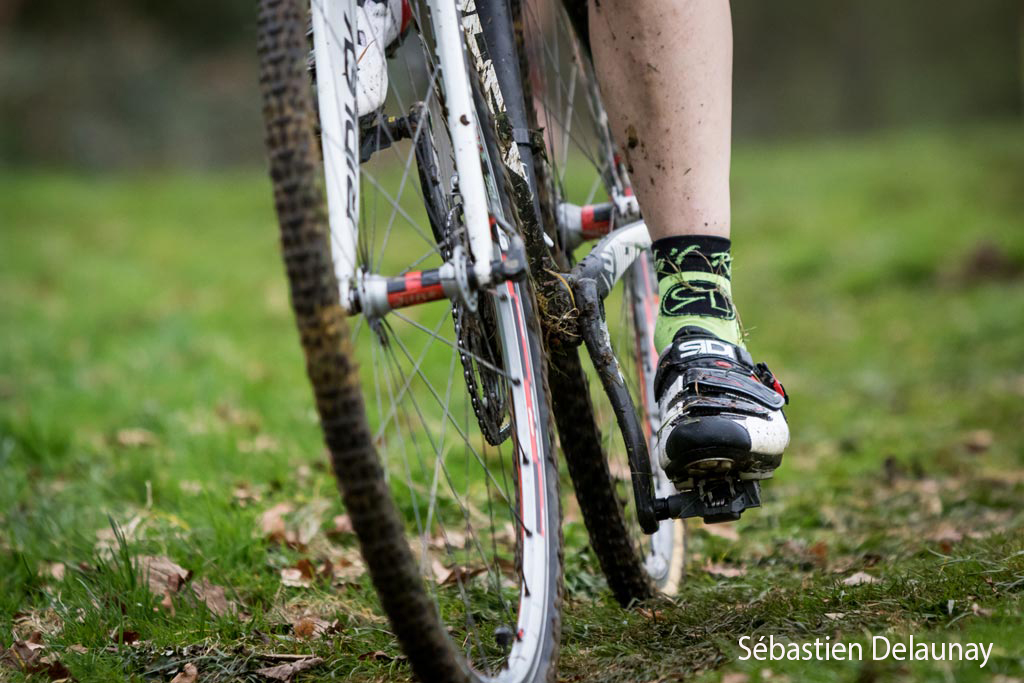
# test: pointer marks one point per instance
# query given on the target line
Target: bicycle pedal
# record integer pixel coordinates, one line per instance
(378, 132)
(714, 500)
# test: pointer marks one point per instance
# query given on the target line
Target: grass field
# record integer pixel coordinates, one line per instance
(150, 378)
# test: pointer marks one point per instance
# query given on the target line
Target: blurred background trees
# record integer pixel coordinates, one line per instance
(136, 83)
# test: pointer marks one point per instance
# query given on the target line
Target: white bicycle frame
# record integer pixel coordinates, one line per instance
(336, 53)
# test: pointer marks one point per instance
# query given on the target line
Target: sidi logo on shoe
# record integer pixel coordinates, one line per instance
(705, 347)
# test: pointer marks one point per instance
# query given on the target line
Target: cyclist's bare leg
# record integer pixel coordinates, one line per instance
(665, 67)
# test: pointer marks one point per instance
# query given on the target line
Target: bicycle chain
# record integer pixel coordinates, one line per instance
(489, 405)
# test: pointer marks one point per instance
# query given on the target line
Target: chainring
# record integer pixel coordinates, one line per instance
(475, 330)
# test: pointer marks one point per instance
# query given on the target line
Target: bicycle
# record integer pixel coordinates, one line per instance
(454, 494)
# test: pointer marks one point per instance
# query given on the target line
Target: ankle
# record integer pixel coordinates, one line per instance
(694, 282)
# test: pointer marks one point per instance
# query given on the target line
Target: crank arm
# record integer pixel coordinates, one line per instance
(380, 132)
(594, 331)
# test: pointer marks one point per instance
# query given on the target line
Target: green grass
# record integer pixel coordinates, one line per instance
(881, 278)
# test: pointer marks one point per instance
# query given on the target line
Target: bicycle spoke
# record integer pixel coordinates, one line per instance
(433, 391)
(487, 364)
(440, 470)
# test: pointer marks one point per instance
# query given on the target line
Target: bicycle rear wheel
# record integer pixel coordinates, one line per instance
(579, 167)
(441, 443)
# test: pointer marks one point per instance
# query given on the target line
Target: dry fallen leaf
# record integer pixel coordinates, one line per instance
(946, 535)
(306, 567)
(342, 525)
(724, 571)
(436, 570)
(168, 603)
(295, 527)
(620, 470)
(214, 597)
(307, 521)
(845, 563)
(26, 655)
(378, 656)
(299, 576)
(313, 627)
(190, 674)
(163, 575)
(325, 570)
(126, 636)
(859, 578)
(794, 549)
(107, 542)
(284, 672)
(293, 577)
(306, 627)
(135, 437)
(56, 671)
(979, 440)
(45, 622)
(272, 522)
(980, 611)
(461, 573)
(347, 565)
(456, 539)
(506, 565)
(243, 495)
(819, 551)
(928, 491)
(55, 570)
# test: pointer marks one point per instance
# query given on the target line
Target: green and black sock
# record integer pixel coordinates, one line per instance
(694, 283)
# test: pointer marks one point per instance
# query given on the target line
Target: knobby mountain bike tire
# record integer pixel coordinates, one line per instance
(464, 550)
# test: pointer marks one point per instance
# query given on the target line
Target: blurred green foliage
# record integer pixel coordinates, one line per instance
(860, 64)
(114, 83)
(195, 24)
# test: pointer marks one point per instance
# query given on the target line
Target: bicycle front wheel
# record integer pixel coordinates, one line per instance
(441, 442)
